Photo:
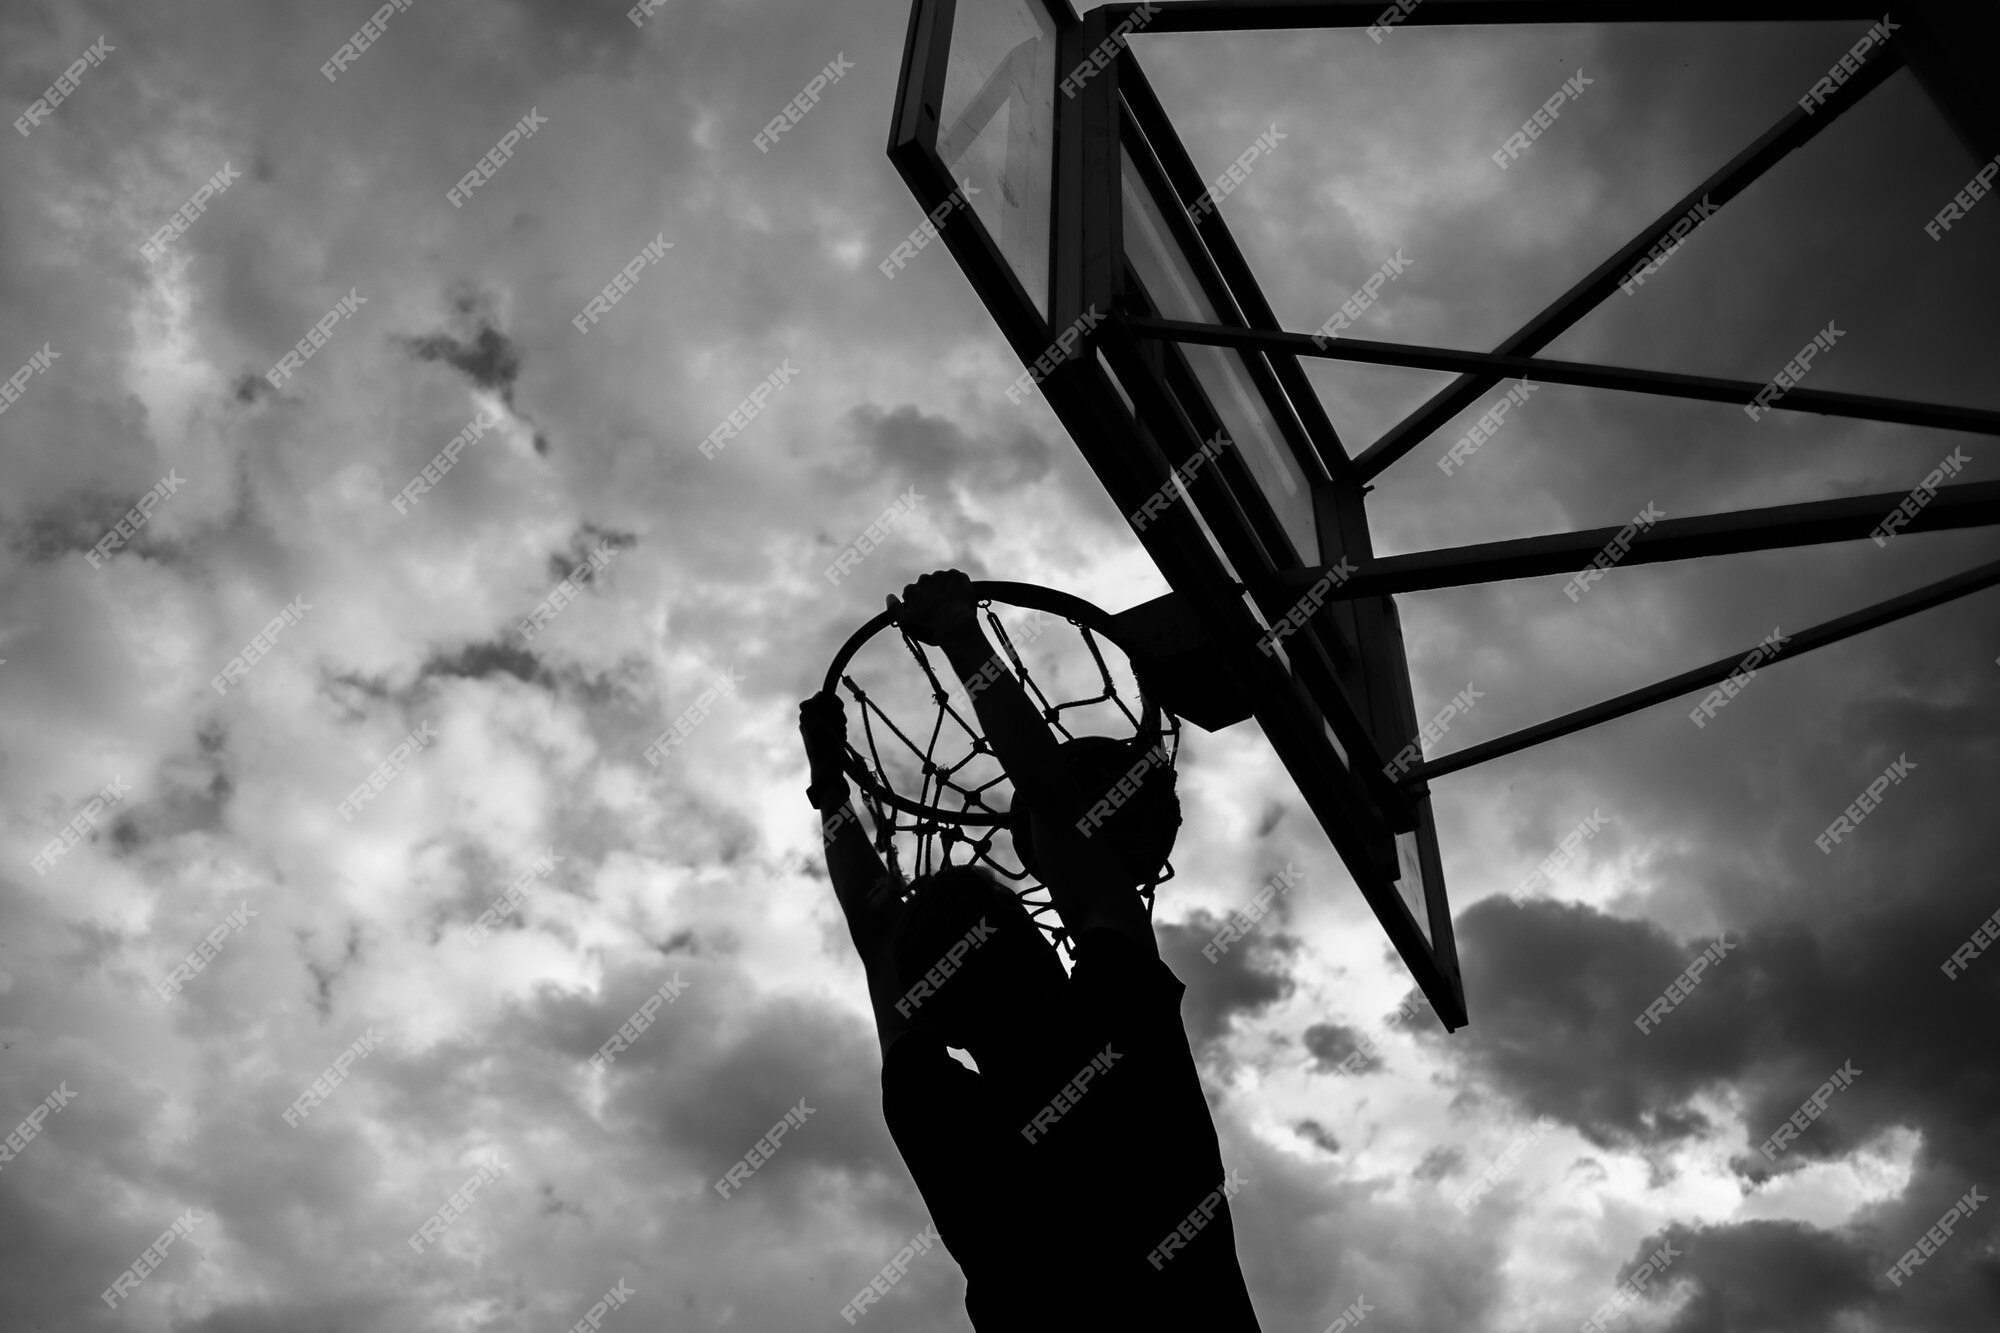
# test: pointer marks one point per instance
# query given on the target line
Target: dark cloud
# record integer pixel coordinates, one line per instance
(1245, 980)
(936, 454)
(1772, 1277)
(584, 541)
(1317, 1134)
(480, 661)
(1330, 1043)
(488, 357)
(1439, 1164)
(1557, 987)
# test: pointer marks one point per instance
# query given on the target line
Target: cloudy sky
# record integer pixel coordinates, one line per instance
(1599, 1144)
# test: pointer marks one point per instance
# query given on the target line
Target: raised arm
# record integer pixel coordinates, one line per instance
(1087, 882)
(866, 891)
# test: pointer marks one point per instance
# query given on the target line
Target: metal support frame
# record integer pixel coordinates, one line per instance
(1969, 108)
(1831, 631)
(1263, 15)
(1967, 505)
(1795, 130)
(1491, 367)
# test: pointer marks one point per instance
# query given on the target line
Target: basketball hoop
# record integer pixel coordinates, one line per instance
(953, 805)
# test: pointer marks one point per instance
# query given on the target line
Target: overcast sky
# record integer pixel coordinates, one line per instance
(1602, 1143)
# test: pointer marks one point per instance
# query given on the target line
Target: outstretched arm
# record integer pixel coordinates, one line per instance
(1087, 882)
(863, 886)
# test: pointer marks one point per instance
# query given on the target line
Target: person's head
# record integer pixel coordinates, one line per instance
(1141, 828)
(989, 963)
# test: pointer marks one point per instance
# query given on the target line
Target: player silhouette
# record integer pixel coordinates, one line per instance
(1076, 1176)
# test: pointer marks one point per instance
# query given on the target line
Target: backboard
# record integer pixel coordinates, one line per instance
(1051, 172)
(1066, 196)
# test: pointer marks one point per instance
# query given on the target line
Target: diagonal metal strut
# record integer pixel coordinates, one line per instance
(1969, 504)
(1831, 631)
(1708, 388)
(1796, 129)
